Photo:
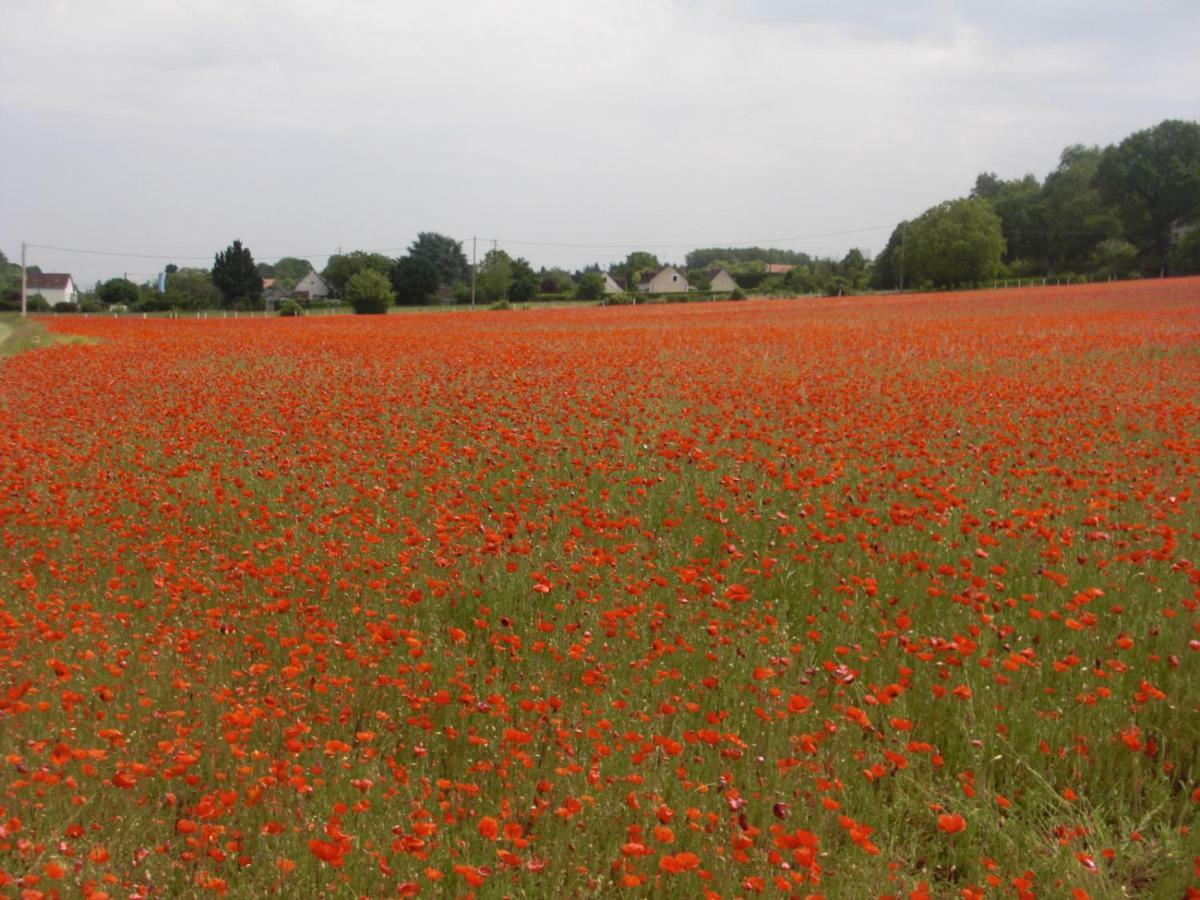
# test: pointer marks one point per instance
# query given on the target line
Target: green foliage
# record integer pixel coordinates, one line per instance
(1115, 257)
(237, 278)
(737, 295)
(289, 271)
(1153, 178)
(959, 242)
(729, 257)
(623, 299)
(637, 265)
(1074, 215)
(36, 303)
(887, 274)
(524, 285)
(342, 267)
(1185, 253)
(494, 277)
(1018, 204)
(369, 292)
(191, 289)
(499, 305)
(555, 281)
(445, 253)
(117, 292)
(415, 280)
(290, 307)
(590, 287)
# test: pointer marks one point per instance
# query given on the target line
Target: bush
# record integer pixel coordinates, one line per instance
(290, 307)
(37, 303)
(90, 305)
(618, 300)
(369, 292)
(64, 306)
(737, 295)
(499, 304)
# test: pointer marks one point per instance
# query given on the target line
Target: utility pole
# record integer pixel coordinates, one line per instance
(23, 280)
(474, 242)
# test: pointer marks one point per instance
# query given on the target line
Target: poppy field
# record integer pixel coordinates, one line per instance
(840, 598)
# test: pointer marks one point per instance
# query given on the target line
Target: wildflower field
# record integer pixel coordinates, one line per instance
(845, 598)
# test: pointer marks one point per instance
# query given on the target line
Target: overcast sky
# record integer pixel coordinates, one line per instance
(170, 127)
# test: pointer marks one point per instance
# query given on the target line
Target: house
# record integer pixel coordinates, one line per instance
(778, 268)
(56, 287)
(311, 287)
(720, 280)
(667, 280)
(613, 285)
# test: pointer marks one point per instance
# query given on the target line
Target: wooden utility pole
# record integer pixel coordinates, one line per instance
(24, 282)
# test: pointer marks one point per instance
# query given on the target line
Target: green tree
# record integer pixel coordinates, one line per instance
(958, 242)
(415, 280)
(1185, 253)
(1018, 203)
(289, 271)
(344, 266)
(237, 278)
(191, 289)
(495, 276)
(635, 264)
(117, 292)
(1153, 178)
(555, 281)
(853, 269)
(524, 285)
(1114, 257)
(369, 292)
(1074, 215)
(445, 253)
(590, 287)
(888, 271)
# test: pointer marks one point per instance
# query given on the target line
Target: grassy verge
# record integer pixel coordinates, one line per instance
(18, 334)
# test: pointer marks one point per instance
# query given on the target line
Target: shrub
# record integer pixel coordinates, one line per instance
(499, 304)
(64, 306)
(618, 300)
(290, 307)
(369, 292)
(37, 303)
(737, 295)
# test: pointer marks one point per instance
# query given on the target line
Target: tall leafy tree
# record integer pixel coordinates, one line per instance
(191, 289)
(888, 271)
(495, 276)
(1153, 178)
(344, 266)
(236, 276)
(954, 243)
(118, 292)
(1074, 215)
(1018, 204)
(444, 252)
(524, 286)
(291, 269)
(415, 280)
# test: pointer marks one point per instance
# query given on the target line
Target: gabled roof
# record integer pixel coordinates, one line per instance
(57, 281)
(779, 268)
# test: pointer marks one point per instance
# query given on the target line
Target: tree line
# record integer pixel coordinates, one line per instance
(1131, 208)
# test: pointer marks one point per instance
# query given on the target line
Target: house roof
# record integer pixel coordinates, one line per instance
(779, 268)
(47, 281)
(268, 283)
